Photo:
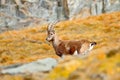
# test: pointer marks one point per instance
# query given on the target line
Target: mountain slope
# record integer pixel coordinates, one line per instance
(29, 44)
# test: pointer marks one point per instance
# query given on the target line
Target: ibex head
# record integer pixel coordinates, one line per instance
(51, 31)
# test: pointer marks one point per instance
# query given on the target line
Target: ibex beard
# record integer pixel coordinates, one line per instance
(68, 47)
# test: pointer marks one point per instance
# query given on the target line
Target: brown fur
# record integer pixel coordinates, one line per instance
(69, 47)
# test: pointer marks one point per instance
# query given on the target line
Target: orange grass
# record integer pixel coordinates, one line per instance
(16, 45)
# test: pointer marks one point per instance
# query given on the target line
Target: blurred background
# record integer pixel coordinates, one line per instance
(16, 14)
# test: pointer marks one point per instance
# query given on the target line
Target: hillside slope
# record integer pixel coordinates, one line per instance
(29, 44)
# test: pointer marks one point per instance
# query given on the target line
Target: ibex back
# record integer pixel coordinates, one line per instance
(68, 47)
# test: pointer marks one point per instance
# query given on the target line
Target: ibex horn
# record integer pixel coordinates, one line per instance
(51, 25)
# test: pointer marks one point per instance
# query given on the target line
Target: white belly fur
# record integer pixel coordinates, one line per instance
(75, 53)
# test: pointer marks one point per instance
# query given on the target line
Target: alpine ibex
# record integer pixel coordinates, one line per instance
(65, 47)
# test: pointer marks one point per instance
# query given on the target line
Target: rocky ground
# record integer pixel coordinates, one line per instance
(103, 63)
(16, 14)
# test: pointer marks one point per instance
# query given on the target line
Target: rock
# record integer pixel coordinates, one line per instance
(85, 8)
(42, 65)
(10, 66)
(51, 10)
(113, 8)
(32, 1)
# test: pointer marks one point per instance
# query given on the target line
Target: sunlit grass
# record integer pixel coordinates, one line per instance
(102, 29)
(26, 45)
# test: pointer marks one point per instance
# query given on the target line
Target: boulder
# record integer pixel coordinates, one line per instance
(42, 65)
